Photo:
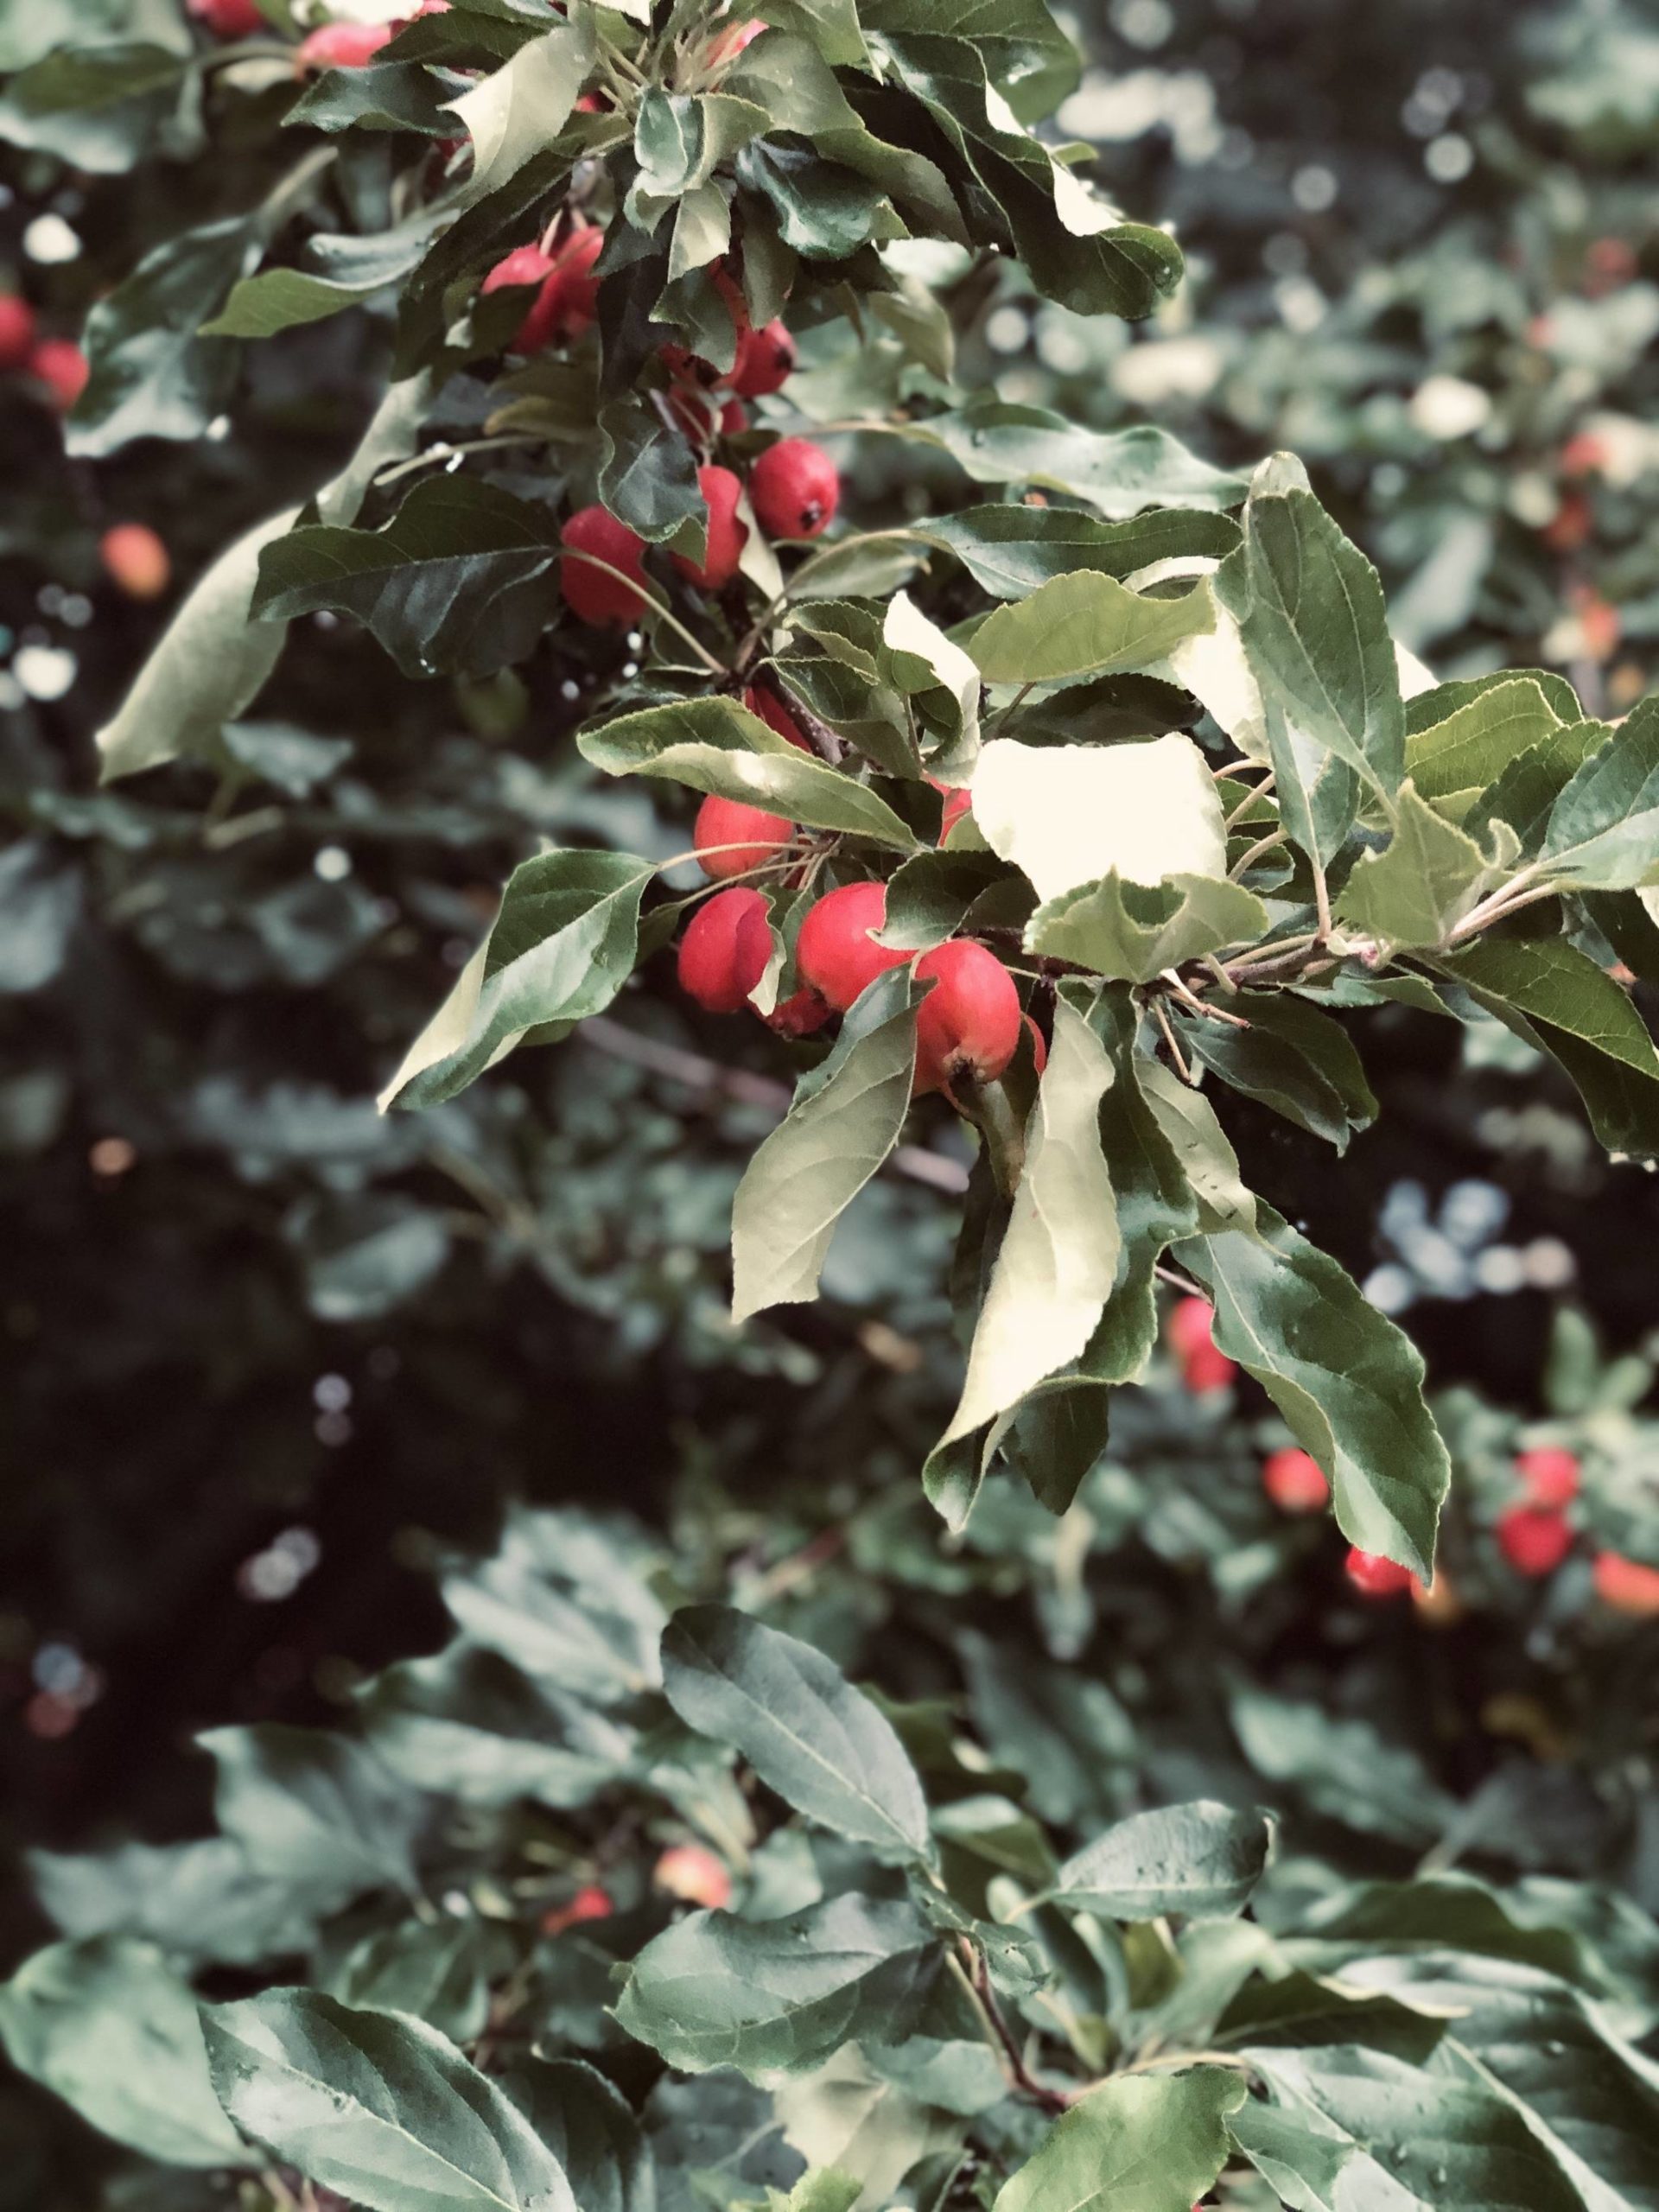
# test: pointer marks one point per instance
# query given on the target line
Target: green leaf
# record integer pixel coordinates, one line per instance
(566, 1598)
(590, 2128)
(1555, 996)
(823, 210)
(96, 107)
(1301, 2165)
(1119, 473)
(281, 298)
(844, 1122)
(1069, 816)
(937, 894)
(1143, 2143)
(1058, 1257)
(517, 110)
(309, 1806)
(457, 581)
(195, 1900)
(1083, 624)
(802, 1727)
(1347, 1381)
(1424, 879)
(1476, 740)
(1208, 1161)
(560, 948)
(1200, 1859)
(111, 2029)
(385, 95)
(212, 660)
(436, 1971)
(1010, 549)
(1131, 931)
(1028, 56)
(715, 1990)
(377, 2107)
(648, 472)
(1344, 1769)
(1427, 710)
(1603, 830)
(714, 745)
(1292, 1058)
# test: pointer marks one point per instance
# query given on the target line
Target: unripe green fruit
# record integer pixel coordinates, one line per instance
(732, 837)
(835, 951)
(591, 593)
(728, 534)
(795, 488)
(968, 1027)
(725, 949)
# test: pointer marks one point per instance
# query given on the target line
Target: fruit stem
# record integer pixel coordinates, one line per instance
(649, 599)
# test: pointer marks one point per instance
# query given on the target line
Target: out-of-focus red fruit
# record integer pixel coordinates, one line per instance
(775, 714)
(1204, 1367)
(1038, 1045)
(1533, 1539)
(795, 489)
(1583, 454)
(1295, 1481)
(730, 43)
(228, 18)
(593, 104)
(567, 298)
(727, 532)
(801, 1014)
(135, 560)
(1600, 621)
(968, 1027)
(957, 803)
(835, 951)
(732, 837)
(341, 46)
(60, 365)
(1549, 1475)
(1570, 526)
(733, 419)
(688, 1870)
(590, 1903)
(17, 331)
(1373, 1576)
(1611, 261)
(592, 593)
(725, 949)
(765, 359)
(1208, 1370)
(1626, 1584)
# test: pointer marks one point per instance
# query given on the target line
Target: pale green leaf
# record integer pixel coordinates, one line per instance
(1084, 623)
(1131, 932)
(1423, 881)
(1200, 1859)
(1070, 815)
(520, 108)
(1144, 2143)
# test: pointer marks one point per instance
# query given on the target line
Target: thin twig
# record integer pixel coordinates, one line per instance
(1175, 1053)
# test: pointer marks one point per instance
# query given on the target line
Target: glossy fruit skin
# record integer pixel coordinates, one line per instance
(732, 837)
(228, 18)
(801, 1014)
(765, 359)
(775, 714)
(1373, 1576)
(589, 592)
(795, 488)
(725, 949)
(1296, 1482)
(135, 560)
(1534, 1538)
(691, 1871)
(968, 1027)
(1626, 1584)
(17, 331)
(1549, 1475)
(1204, 1367)
(567, 296)
(728, 533)
(341, 46)
(834, 950)
(60, 365)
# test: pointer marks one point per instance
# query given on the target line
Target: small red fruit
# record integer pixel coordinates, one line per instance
(775, 714)
(688, 367)
(835, 951)
(60, 365)
(688, 1870)
(765, 361)
(799, 1015)
(728, 533)
(590, 1903)
(1295, 1481)
(795, 489)
(1373, 1576)
(1626, 1584)
(957, 803)
(732, 837)
(1583, 455)
(341, 46)
(228, 18)
(1550, 1474)
(1533, 1539)
(135, 560)
(733, 419)
(17, 331)
(725, 949)
(1204, 1368)
(567, 299)
(590, 592)
(968, 1027)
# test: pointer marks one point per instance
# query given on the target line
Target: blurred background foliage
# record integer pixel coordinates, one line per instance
(266, 1353)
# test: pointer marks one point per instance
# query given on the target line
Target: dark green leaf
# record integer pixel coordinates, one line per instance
(1292, 1058)
(310, 1808)
(96, 107)
(1200, 1859)
(1010, 549)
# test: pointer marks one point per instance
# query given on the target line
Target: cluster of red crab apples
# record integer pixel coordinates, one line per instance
(967, 1026)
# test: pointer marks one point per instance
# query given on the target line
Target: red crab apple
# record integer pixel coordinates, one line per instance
(1373, 1576)
(60, 365)
(968, 1027)
(1203, 1366)
(1534, 1538)
(17, 331)
(796, 488)
(957, 803)
(590, 1903)
(340, 45)
(731, 837)
(1549, 1475)
(727, 532)
(1295, 1481)
(835, 951)
(765, 360)
(799, 1015)
(689, 1871)
(567, 299)
(228, 18)
(592, 593)
(775, 714)
(1626, 1584)
(733, 419)
(725, 949)
(135, 560)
